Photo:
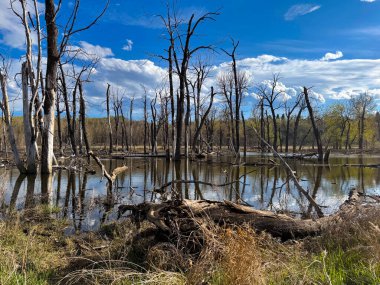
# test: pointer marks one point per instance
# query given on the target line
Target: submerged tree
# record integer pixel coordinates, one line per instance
(180, 54)
(239, 84)
(270, 92)
(317, 134)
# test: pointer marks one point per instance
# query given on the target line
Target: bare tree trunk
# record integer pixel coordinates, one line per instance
(131, 123)
(109, 120)
(245, 136)
(51, 87)
(166, 131)
(268, 127)
(187, 121)
(7, 118)
(59, 127)
(145, 123)
(274, 120)
(262, 124)
(287, 134)
(29, 139)
(315, 128)
(295, 132)
(179, 118)
(70, 127)
(199, 128)
(171, 93)
(82, 113)
(4, 144)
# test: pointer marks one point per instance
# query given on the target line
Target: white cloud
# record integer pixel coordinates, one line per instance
(331, 56)
(128, 46)
(11, 30)
(329, 80)
(300, 10)
(87, 51)
(368, 1)
(96, 50)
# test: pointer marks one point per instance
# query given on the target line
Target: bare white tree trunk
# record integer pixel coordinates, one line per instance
(30, 142)
(51, 86)
(7, 119)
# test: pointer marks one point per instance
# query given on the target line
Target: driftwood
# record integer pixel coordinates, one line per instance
(110, 177)
(179, 217)
(362, 165)
(137, 155)
(299, 155)
(270, 162)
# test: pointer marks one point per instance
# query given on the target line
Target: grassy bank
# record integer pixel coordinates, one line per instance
(34, 250)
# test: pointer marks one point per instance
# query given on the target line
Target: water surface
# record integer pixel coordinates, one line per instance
(87, 201)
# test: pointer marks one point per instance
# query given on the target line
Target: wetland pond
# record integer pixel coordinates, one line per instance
(84, 199)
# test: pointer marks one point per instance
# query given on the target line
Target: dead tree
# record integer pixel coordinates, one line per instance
(187, 222)
(110, 137)
(82, 113)
(59, 125)
(30, 77)
(302, 107)
(210, 127)
(156, 122)
(240, 84)
(201, 72)
(180, 58)
(53, 56)
(226, 86)
(124, 131)
(316, 131)
(202, 121)
(117, 106)
(288, 113)
(270, 96)
(262, 123)
(145, 119)
(165, 114)
(54, 53)
(7, 118)
(131, 121)
(69, 120)
(244, 136)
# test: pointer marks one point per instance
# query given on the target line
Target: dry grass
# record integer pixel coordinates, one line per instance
(28, 255)
(35, 253)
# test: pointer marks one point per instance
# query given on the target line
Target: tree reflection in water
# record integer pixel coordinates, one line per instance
(87, 201)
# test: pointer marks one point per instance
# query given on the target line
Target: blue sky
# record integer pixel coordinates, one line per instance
(263, 27)
(333, 46)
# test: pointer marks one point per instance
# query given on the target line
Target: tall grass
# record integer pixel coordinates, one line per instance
(38, 253)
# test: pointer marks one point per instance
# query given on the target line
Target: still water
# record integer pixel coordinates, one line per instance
(87, 202)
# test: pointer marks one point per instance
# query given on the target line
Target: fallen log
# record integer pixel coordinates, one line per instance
(362, 165)
(298, 155)
(178, 218)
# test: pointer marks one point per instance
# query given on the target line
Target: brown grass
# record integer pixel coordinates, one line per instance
(347, 253)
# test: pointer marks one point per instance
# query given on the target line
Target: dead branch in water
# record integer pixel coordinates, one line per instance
(362, 165)
(292, 174)
(161, 189)
(110, 177)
